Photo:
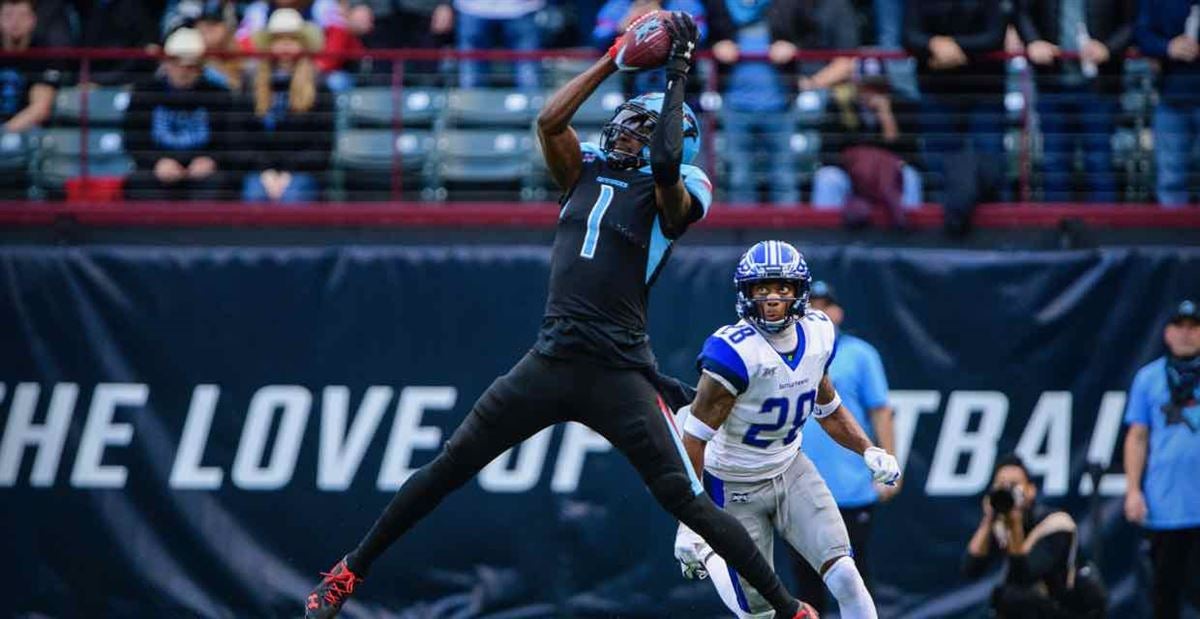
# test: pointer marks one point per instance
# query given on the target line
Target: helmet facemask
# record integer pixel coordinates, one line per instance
(635, 123)
(750, 309)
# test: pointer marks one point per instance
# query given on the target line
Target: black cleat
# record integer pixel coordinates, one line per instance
(336, 585)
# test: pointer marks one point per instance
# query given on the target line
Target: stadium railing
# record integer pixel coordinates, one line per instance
(405, 137)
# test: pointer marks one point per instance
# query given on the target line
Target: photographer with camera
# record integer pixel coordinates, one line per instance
(1037, 545)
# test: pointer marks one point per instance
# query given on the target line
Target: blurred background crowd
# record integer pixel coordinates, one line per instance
(956, 102)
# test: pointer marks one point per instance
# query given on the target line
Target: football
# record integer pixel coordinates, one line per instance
(646, 43)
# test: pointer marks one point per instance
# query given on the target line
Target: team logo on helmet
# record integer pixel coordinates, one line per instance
(771, 260)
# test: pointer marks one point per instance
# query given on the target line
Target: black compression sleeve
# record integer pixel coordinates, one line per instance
(666, 145)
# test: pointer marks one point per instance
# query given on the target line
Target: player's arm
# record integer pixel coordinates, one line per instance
(841, 426)
(41, 103)
(711, 408)
(560, 145)
(666, 145)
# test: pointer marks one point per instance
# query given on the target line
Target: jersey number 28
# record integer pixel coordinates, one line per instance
(781, 407)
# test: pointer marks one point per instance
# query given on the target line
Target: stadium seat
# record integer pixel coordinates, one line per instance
(481, 159)
(373, 107)
(105, 106)
(597, 109)
(363, 160)
(481, 107)
(101, 143)
(14, 151)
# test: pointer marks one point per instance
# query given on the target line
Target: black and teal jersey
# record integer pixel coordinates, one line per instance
(609, 246)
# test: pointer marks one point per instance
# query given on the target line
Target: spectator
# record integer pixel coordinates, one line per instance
(865, 147)
(1039, 546)
(215, 23)
(58, 23)
(857, 374)
(409, 24)
(417, 24)
(176, 128)
(961, 89)
(616, 15)
(758, 95)
(27, 85)
(1169, 30)
(291, 129)
(504, 24)
(120, 24)
(328, 17)
(1162, 488)
(1077, 97)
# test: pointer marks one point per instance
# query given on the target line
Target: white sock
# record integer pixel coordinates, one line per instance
(722, 579)
(846, 585)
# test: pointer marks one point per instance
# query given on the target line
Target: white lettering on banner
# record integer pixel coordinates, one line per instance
(409, 435)
(1049, 424)
(578, 441)
(531, 458)
(341, 451)
(907, 408)
(248, 470)
(99, 432)
(186, 473)
(20, 432)
(956, 441)
(1104, 441)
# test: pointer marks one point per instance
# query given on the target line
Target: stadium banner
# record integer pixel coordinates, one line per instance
(197, 431)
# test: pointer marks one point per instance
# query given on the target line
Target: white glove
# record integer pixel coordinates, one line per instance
(687, 552)
(884, 467)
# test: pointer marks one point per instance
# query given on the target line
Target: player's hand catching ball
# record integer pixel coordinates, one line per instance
(684, 35)
(884, 467)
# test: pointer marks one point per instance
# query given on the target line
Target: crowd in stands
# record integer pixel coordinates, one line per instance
(229, 103)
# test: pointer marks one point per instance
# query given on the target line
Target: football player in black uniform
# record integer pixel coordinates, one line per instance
(625, 202)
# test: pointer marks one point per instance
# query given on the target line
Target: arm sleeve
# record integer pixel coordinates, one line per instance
(1047, 556)
(136, 129)
(1149, 39)
(1118, 42)
(974, 567)
(916, 39)
(1026, 26)
(874, 380)
(1137, 409)
(316, 154)
(833, 352)
(719, 359)
(991, 37)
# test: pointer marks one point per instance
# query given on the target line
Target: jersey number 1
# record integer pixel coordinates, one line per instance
(592, 238)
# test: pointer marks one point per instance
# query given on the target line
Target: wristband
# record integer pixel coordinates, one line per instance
(698, 429)
(827, 409)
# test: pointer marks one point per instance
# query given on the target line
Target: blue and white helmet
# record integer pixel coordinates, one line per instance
(637, 118)
(771, 260)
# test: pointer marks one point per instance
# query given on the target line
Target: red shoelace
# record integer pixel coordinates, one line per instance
(341, 584)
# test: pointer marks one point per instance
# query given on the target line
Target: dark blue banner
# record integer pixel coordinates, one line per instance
(197, 431)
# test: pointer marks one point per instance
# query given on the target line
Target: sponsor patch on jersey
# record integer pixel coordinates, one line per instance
(739, 497)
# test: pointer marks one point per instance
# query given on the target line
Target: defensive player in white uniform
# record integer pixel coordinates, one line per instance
(761, 380)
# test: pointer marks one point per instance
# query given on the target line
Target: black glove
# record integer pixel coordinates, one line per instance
(684, 35)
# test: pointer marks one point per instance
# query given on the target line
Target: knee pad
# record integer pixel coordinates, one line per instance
(847, 587)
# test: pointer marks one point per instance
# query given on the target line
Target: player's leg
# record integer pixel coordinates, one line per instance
(810, 521)
(752, 510)
(514, 407)
(626, 410)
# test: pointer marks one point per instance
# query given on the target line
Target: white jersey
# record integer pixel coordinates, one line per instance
(776, 393)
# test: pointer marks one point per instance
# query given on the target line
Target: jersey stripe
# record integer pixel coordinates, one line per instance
(659, 244)
(716, 491)
(719, 357)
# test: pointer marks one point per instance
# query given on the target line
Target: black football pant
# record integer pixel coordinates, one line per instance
(810, 585)
(1176, 558)
(623, 406)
